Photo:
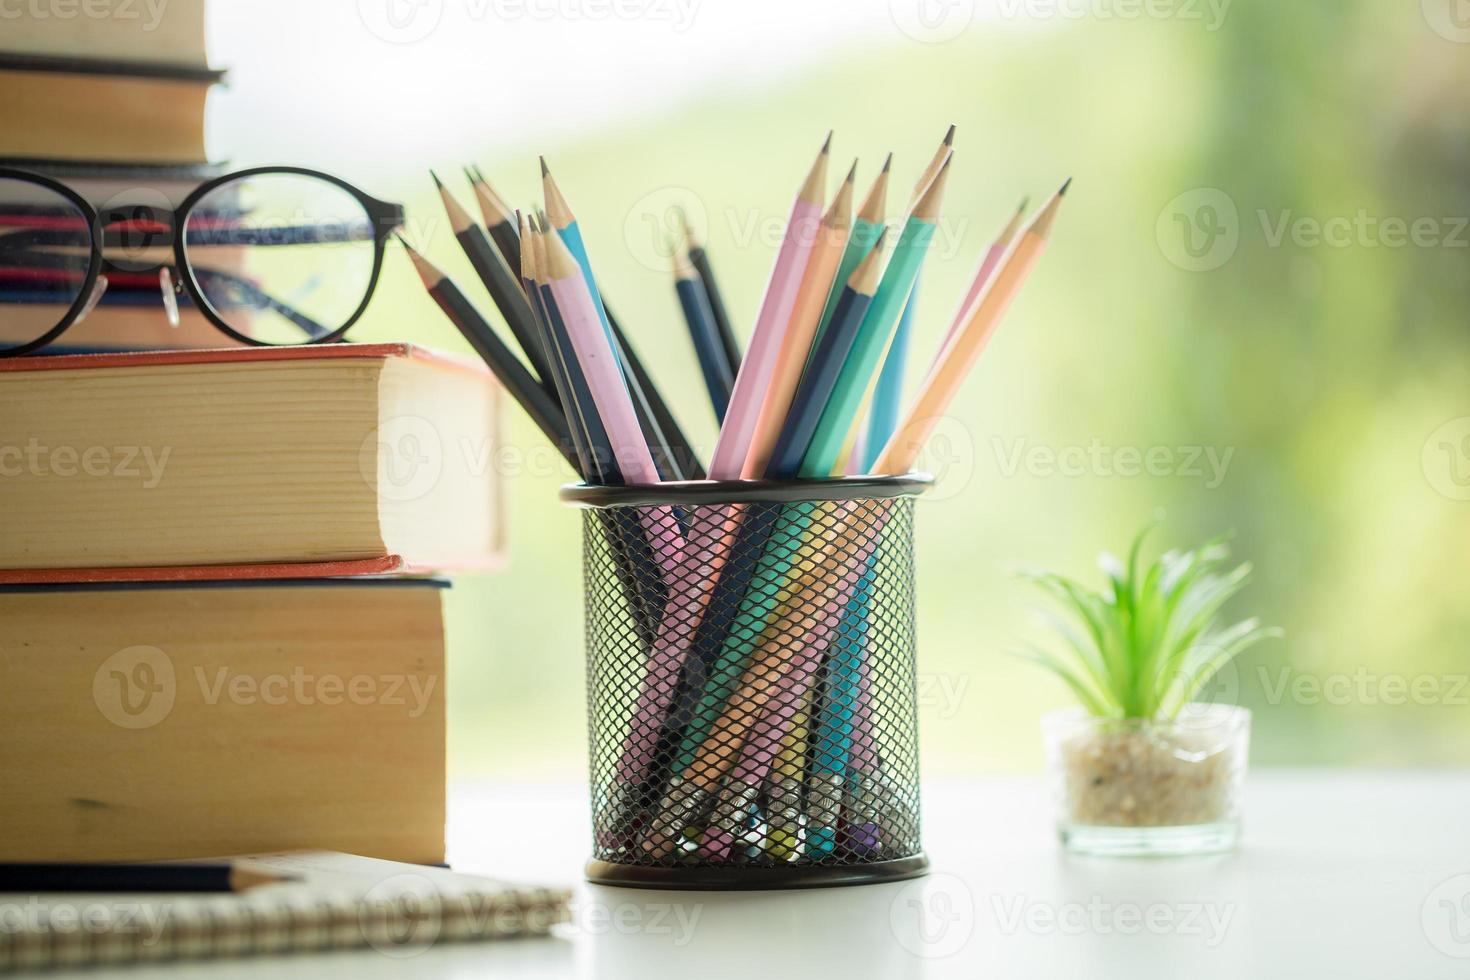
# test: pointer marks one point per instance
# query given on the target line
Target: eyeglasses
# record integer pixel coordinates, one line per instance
(270, 256)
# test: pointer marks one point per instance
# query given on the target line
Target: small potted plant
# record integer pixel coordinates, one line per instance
(1142, 767)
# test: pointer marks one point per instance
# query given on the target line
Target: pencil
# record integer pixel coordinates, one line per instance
(887, 391)
(783, 838)
(204, 876)
(733, 443)
(960, 355)
(831, 352)
(500, 282)
(698, 317)
(661, 432)
(556, 358)
(500, 220)
(526, 390)
(598, 361)
(699, 258)
(796, 345)
(866, 227)
(873, 333)
(989, 263)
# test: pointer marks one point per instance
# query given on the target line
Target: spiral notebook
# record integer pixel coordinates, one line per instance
(339, 901)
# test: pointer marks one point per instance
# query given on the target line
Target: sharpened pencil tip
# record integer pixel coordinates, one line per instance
(851, 174)
(887, 162)
(949, 136)
(827, 143)
(403, 241)
(469, 173)
(437, 182)
(882, 236)
(1063, 191)
(1025, 203)
(545, 170)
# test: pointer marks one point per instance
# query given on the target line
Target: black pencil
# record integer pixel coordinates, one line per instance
(500, 220)
(207, 876)
(525, 389)
(500, 282)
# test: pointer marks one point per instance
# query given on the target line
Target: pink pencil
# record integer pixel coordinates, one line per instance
(988, 265)
(733, 444)
(600, 365)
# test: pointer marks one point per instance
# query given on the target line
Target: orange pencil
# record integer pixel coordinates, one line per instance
(959, 356)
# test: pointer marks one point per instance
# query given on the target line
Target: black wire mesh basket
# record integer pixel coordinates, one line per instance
(751, 682)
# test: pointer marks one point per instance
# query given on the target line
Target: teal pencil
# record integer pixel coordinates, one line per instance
(888, 392)
(866, 227)
(893, 292)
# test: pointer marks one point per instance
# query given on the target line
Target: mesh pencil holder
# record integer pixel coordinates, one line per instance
(751, 682)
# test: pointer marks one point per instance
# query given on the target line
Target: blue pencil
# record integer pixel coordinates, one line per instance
(699, 317)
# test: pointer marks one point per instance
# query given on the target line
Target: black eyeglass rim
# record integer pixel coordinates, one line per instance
(94, 262)
(385, 218)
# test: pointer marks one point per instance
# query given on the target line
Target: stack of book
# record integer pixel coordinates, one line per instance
(113, 106)
(222, 630)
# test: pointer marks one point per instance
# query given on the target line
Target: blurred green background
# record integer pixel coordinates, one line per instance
(1185, 305)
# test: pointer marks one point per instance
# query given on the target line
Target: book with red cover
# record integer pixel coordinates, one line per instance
(247, 463)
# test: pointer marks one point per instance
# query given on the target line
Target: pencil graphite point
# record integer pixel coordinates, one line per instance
(1025, 203)
(827, 143)
(949, 136)
(437, 182)
(852, 173)
(545, 170)
(1063, 191)
(887, 162)
(556, 202)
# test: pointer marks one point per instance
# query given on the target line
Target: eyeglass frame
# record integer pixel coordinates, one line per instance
(385, 218)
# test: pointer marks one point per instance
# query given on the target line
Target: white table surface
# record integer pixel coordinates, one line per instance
(1341, 875)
